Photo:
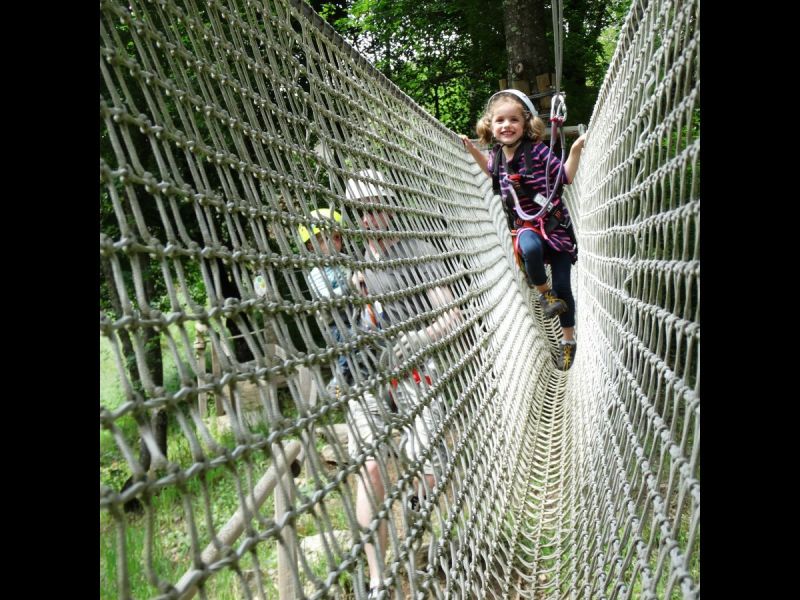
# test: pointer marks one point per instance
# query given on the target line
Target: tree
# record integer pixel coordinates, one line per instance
(444, 55)
(587, 23)
(450, 56)
(529, 53)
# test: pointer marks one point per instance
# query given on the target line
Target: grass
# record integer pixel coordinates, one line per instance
(111, 392)
(170, 546)
(171, 543)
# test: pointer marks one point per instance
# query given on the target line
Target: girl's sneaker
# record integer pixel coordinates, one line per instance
(552, 305)
(566, 354)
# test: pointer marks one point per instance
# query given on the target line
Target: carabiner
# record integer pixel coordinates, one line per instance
(558, 109)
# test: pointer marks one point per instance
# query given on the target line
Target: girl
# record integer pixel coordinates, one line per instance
(525, 174)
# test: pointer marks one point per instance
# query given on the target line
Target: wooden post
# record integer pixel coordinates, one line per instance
(216, 371)
(307, 388)
(545, 83)
(200, 357)
(287, 549)
(570, 131)
(523, 85)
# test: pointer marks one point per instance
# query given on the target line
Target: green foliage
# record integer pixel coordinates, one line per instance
(445, 55)
(590, 33)
(449, 56)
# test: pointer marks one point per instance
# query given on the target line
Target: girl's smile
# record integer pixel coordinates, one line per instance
(508, 124)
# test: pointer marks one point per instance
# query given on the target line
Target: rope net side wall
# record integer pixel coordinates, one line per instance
(635, 399)
(247, 349)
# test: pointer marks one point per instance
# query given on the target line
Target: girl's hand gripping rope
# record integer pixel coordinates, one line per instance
(580, 143)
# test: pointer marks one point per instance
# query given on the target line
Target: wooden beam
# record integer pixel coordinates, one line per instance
(230, 532)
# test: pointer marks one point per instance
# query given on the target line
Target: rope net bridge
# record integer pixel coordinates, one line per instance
(393, 396)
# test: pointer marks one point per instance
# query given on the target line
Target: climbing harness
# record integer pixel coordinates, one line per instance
(548, 217)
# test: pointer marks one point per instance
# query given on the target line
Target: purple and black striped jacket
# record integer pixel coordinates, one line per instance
(558, 239)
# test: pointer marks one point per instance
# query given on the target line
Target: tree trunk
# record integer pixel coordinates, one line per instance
(155, 365)
(124, 336)
(230, 290)
(529, 53)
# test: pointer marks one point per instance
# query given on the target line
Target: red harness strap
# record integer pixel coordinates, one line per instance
(524, 226)
(417, 379)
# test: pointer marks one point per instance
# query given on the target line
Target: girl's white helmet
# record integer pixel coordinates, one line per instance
(525, 100)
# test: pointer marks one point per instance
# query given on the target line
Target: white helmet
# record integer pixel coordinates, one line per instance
(356, 190)
(523, 97)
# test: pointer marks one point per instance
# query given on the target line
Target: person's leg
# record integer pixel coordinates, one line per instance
(365, 418)
(560, 268)
(369, 495)
(531, 247)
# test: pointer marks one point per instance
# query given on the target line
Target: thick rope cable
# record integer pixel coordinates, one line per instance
(557, 12)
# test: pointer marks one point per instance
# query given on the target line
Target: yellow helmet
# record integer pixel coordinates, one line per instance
(322, 213)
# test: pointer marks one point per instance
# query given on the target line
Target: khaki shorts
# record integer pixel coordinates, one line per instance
(368, 416)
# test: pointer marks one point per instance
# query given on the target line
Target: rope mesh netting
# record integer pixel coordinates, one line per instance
(400, 391)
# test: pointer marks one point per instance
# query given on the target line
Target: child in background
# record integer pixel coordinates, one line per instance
(330, 281)
(525, 173)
